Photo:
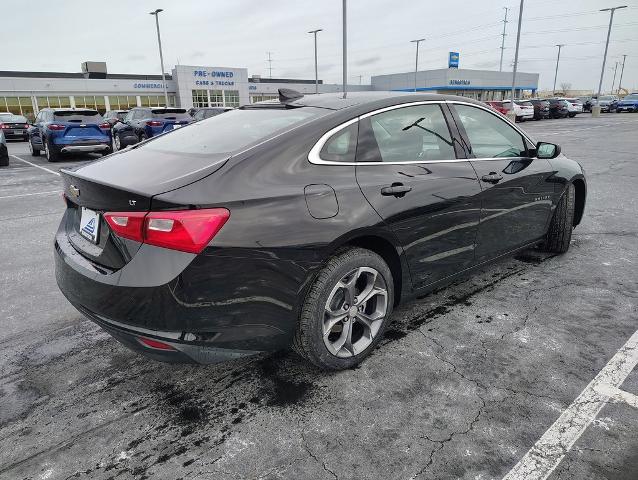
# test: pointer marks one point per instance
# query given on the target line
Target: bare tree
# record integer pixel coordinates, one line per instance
(564, 86)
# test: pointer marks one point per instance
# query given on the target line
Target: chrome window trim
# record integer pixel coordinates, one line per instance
(314, 158)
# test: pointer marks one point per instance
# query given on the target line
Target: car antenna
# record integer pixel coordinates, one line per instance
(287, 95)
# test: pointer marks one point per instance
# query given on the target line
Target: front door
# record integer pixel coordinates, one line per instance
(413, 174)
(517, 189)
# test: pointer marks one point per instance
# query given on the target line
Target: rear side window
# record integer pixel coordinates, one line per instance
(490, 137)
(411, 134)
(78, 116)
(233, 131)
(342, 146)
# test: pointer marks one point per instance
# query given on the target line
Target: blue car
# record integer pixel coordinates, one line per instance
(142, 123)
(69, 130)
(628, 104)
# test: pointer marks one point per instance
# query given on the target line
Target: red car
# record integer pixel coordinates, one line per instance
(498, 106)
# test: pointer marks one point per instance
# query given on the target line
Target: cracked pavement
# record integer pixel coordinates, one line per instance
(465, 382)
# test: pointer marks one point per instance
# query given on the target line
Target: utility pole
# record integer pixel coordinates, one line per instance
(416, 65)
(614, 80)
(314, 32)
(595, 111)
(345, 49)
(269, 60)
(622, 69)
(360, 78)
(500, 66)
(557, 60)
(159, 43)
(511, 113)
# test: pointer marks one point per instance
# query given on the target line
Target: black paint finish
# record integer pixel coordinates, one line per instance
(288, 216)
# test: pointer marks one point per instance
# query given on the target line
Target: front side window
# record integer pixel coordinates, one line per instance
(411, 134)
(489, 135)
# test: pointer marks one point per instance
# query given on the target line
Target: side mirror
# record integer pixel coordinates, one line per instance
(547, 150)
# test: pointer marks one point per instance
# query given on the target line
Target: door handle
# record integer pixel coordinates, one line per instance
(397, 189)
(493, 177)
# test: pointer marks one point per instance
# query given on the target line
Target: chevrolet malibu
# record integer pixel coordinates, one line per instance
(303, 222)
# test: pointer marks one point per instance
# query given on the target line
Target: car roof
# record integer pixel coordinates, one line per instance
(335, 101)
(66, 109)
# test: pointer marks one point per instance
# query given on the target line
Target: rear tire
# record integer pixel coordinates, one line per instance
(4, 161)
(560, 229)
(50, 151)
(116, 143)
(143, 137)
(350, 301)
(35, 152)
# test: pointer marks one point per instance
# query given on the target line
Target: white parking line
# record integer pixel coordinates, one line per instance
(36, 166)
(549, 451)
(50, 192)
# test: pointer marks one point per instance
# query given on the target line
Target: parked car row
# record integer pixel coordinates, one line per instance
(57, 131)
(538, 109)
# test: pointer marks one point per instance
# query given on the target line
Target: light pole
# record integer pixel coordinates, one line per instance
(557, 60)
(622, 69)
(416, 64)
(500, 65)
(595, 111)
(345, 49)
(613, 82)
(512, 114)
(159, 42)
(314, 32)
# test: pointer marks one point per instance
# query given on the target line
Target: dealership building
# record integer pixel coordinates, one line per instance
(198, 86)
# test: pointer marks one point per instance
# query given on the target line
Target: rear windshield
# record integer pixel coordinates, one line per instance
(172, 113)
(524, 104)
(633, 96)
(120, 115)
(13, 119)
(233, 130)
(606, 97)
(79, 116)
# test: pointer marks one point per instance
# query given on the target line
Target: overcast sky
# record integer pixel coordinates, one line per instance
(57, 36)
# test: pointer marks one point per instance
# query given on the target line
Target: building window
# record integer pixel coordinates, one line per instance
(152, 100)
(87, 101)
(216, 98)
(261, 97)
(122, 102)
(231, 98)
(200, 98)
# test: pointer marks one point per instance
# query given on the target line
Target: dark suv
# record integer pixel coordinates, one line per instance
(141, 123)
(541, 108)
(69, 130)
(558, 108)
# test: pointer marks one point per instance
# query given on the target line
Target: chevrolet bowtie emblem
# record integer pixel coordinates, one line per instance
(75, 191)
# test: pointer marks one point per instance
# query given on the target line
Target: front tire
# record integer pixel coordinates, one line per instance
(346, 310)
(35, 152)
(560, 229)
(116, 142)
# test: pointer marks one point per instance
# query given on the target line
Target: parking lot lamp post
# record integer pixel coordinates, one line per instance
(416, 65)
(511, 114)
(316, 70)
(613, 82)
(159, 42)
(622, 69)
(595, 111)
(557, 60)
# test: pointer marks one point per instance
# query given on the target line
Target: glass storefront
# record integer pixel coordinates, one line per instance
(261, 97)
(17, 106)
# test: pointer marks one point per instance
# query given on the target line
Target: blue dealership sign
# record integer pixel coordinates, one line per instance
(453, 61)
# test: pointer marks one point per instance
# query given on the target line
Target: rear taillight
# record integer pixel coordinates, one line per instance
(55, 126)
(183, 230)
(154, 123)
(26, 126)
(105, 126)
(2, 125)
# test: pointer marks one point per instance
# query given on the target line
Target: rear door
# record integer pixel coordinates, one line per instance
(412, 172)
(517, 189)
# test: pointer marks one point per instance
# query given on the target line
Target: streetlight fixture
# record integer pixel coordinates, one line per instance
(595, 111)
(557, 60)
(316, 71)
(159, 42)
(416, 63)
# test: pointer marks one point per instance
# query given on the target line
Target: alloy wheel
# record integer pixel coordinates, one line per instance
(116, 142)
(354, 312)
(46, 151)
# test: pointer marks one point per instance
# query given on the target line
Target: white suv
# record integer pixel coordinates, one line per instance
(574, 106)
(524, 110)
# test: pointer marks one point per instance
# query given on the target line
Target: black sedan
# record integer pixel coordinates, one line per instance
(14, 126)
(304, 223)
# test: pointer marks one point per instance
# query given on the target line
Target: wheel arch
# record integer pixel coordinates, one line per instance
(581, 194)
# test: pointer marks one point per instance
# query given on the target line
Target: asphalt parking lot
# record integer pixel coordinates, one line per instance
(468, 380)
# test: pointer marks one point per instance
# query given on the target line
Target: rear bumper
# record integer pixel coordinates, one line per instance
(85, 148)
(12, 134)
(203, 306)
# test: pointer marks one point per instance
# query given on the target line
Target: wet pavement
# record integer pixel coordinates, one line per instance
(466, 381)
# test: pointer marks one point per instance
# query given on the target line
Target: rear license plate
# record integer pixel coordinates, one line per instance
(176, 126)
(18, 132)
(90, 224)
